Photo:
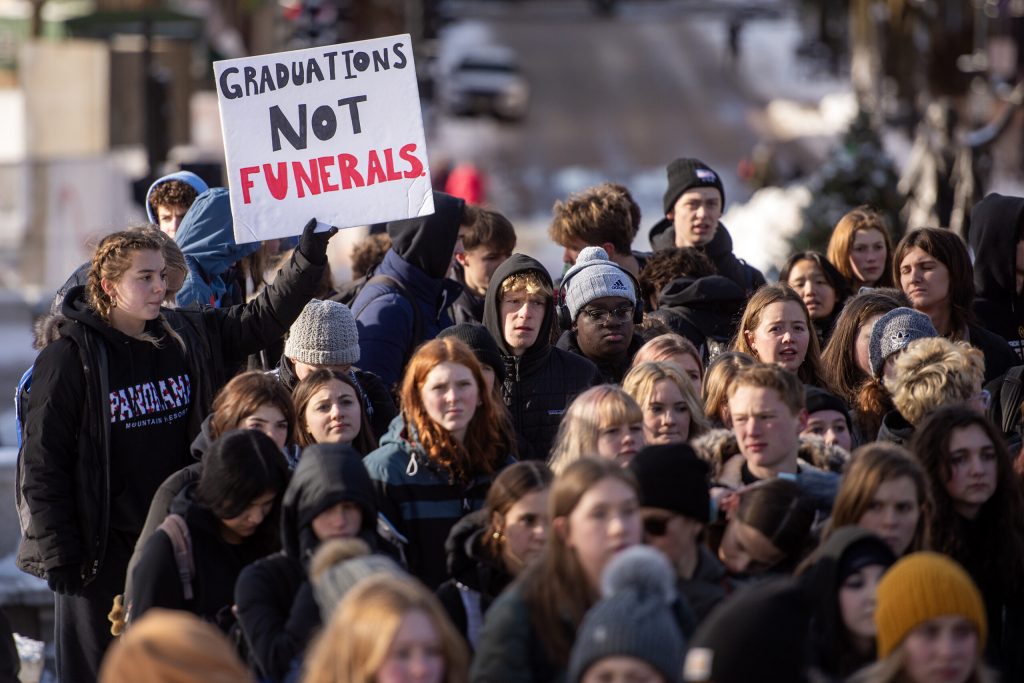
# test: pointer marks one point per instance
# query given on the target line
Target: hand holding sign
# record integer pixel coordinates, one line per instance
(313, 244)
(334, 132)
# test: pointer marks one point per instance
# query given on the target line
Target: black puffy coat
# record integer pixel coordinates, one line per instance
(64, 474)
(276, 609)
(540, 384)
(719, 250)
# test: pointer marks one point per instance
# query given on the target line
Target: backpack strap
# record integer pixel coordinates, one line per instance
(417, 323)
(181, 540)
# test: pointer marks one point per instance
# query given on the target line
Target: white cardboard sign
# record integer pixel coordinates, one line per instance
(331, 132)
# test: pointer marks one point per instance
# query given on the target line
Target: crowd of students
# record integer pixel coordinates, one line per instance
(456, 468)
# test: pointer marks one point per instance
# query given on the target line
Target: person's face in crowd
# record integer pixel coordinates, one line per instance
(303, 370)
(809, 281)
(862, 345)
(522, 315)
(479, 264)
(831, 426)
(168, 218)
(138, 295)
(571, 251)
(893, 513)
(341, 520)
(782, 335)
(671, 533)
(666, 415)
(924, 279)
(745, 550)
(268, 419)
(622, 669)
(941, 650)
(450, 396)
(333, 413)
(867, 256)
(767, 431)
(415, 654)
(695, 216)
(237, 529)
(620, 442)
(604, 327)
(605, 521)
(525, 528)
(972, 469)
(857, 601)
(691, 367)
(174, 281)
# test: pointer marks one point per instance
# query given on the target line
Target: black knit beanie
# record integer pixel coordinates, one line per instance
(684, 174)
(819, 399)
(672, 477)
(481, 342)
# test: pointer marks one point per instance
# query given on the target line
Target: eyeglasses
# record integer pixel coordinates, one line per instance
(600, 315)
(656, 526)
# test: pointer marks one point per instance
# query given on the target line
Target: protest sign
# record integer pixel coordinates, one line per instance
(329, 132)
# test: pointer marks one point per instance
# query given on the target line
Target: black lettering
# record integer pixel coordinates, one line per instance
(282, 75)
(361, 61)
(348, 64)
(381, 60)
(250, 80)
(279, 124)
(353, 110)
(325, 123)
(266, 80)
(229, 91)
(330, 63)
(397, 47)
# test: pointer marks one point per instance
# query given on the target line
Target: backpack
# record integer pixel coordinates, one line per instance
(350, 292)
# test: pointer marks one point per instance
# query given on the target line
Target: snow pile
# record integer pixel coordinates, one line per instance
(762, 227)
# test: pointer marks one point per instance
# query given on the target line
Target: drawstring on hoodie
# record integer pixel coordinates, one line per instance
(413, 467)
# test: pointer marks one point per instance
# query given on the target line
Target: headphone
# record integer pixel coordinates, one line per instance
(565, 320)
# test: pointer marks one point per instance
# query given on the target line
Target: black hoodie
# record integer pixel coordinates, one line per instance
(541, 383)
(995, 230)
(719, 250)
(276, 609)
(705, 310)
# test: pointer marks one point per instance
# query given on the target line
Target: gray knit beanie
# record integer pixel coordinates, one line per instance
(634, 618)
(595, 276)
(324, 334)
(331, 587)
(893, 331)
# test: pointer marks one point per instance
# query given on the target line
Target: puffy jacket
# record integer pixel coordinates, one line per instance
(276, 609)
(541, 383)
(417, 496)
(207, 239)
(419, 257)
(66, 462)
(995, 226)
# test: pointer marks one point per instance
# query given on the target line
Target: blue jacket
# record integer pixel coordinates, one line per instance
(420, 255)
(416, 495)
(207, 239)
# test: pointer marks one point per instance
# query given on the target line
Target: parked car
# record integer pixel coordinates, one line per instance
(486, 79)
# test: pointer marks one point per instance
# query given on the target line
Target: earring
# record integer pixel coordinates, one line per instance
(113, 302)
(497, 536)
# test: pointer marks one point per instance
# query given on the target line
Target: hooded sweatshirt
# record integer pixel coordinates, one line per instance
(276, 609)
(719, 250)
(189, 177)
(541, 383)
(419, 257)
(995, 226)
(705, 310)
(207, 239)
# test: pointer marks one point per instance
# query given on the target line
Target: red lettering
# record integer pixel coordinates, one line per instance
(305, 182)
(278, 185)
(325, 176)
(247, 184)
(349, 175)
(389, 163)
(374, 172)
(416, 166)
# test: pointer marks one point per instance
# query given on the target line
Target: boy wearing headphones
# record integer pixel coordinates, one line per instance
(599, 310)
(540, 380)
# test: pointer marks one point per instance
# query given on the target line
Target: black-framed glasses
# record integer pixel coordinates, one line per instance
(656, 526)
(601, 315)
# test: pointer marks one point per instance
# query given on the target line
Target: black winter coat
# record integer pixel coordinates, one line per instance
(995, 226)
(276, 607)
(64, 474)
(540, 384)
(719, 250)
(611, 372)
(156, 582)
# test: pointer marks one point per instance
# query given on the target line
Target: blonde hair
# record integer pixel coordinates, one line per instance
(717, 379)
(111, 260)
(773, 377)
(933, 372)
(174, 259)
(666, 347)
(641, 380)
(890, 670)
(597, 408)
(531, 282)
(354, 645)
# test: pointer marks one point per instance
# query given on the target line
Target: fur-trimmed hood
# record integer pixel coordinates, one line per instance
(720, 448)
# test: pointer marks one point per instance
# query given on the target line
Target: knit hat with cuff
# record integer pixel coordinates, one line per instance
(684, 174)
(477, 338)
(672, 477)
(324, 334)
(595, 276)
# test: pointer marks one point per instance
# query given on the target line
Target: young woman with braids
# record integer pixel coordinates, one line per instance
(115, 402)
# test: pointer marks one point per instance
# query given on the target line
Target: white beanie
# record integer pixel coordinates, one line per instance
(324, 334)
(593, 277)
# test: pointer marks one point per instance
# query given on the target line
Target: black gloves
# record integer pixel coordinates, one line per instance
(66, 579)
(313, 245)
